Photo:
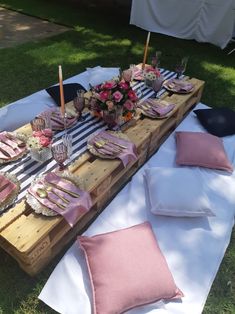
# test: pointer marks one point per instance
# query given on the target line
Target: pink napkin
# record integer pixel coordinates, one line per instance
(77, 205)
(6, 188)
(10, 146)
(159, 109)
(126, 155)
(180, 85)
(57, 122)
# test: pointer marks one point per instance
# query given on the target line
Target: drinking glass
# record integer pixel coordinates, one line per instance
(156, 59)
(37, 124)
(79, 103)
(60, 154)
(67, 140)
(180, 66)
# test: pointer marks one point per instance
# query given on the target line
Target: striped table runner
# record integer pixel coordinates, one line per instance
(27, 169)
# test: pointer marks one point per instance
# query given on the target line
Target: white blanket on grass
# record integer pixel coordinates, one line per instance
(193, 247)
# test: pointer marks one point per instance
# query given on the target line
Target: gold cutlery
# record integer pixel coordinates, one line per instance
(112, 142)
(42, 193)
(73, 194)
(51, 189)
(104, 144)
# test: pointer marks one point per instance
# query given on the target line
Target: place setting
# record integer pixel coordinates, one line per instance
(59, 193)
(12, 146)
(112, 145)
(156, 108)
(9, 190)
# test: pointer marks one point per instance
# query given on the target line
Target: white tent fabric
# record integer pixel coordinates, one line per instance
(203, 20)
(193, 247)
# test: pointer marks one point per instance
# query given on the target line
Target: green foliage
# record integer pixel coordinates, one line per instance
(98, 37)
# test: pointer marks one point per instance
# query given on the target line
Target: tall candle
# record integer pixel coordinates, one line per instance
(62, 107)
(146, 50)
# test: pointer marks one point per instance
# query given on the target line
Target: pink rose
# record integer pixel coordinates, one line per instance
(104, 95)
(124, 85)
(44, 141)
(117, 96)
(47, 133)
(129, 105)
(37, 133)
(132, 95)
(110, 105)
(109, 85)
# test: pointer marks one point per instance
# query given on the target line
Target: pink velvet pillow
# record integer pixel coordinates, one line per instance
(201, 149)
(127, 269)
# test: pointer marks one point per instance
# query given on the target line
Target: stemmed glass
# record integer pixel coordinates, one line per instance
(156, 59)
(60, 154)
(38, 124)
(67, 140)
(79, 103)
(180, 66)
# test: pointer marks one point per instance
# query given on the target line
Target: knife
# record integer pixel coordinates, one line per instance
(73, 194)
(4, 186)
(4, 152)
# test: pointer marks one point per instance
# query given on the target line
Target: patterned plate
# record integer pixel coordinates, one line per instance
(22, 150)
(41, 209)
(11, 199)
(174, 84)
(92, 149)
(144, 110)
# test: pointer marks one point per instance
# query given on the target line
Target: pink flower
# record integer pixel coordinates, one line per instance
(124, 85)
(155, 71)
(37, 133)
(109, 85)
(129, 105)
(132, 95)
(104, 95)
(44, 141)
(110, 105)
(47, 133)
(117, 96)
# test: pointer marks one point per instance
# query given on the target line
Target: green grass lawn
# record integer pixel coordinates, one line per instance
(97, 37)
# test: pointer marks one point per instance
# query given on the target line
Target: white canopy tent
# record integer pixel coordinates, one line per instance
(210, 21)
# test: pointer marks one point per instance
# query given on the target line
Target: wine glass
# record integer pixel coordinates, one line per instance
(79, 103)
(180, 66)
(60, 154)
(37, 124)
(67, 140)
(156, 59)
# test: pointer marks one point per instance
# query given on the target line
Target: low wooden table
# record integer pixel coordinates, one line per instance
(33, 240)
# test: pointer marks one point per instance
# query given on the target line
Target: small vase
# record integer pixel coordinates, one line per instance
(155, 84)
(41, 154)
(113, 118)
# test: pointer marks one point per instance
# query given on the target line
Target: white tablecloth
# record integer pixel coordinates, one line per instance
(203, 20)
(193, 247)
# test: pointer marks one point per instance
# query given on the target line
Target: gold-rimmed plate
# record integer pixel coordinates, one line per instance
(13, 195)
(20, 149)
(38, 207)
(97, 152)
(178, 86)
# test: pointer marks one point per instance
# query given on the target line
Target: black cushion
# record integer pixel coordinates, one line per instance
(70, 92)
(218, 121)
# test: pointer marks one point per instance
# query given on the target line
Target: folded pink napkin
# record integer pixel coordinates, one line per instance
(76, 207)
(127, 153)
(159, 109)
(9, 145)
(180, 85)
(57, 122)
(6, 188)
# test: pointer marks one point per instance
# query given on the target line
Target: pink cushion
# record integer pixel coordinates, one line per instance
(201, 149)
(127, 269)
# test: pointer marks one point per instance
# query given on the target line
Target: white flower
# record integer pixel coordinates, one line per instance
(150, 76)
(33, 142)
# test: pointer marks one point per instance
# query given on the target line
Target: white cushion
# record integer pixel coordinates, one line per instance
(176, 192)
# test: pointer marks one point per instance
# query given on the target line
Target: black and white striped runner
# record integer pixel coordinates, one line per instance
(27, 169)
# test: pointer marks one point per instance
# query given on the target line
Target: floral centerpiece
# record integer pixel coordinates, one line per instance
(153, 78)
(114, 100)
(39, 145)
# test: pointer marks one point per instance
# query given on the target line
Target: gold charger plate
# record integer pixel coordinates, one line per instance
(172, 89)
(41, 209)
(94, 151)
(21, 137)
(10, 201)
(163, 103)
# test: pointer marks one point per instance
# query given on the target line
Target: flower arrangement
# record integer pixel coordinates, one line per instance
(40, 139)
(113, 95)
(152, 74)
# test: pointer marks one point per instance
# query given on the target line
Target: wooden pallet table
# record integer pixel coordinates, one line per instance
(33, 240)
